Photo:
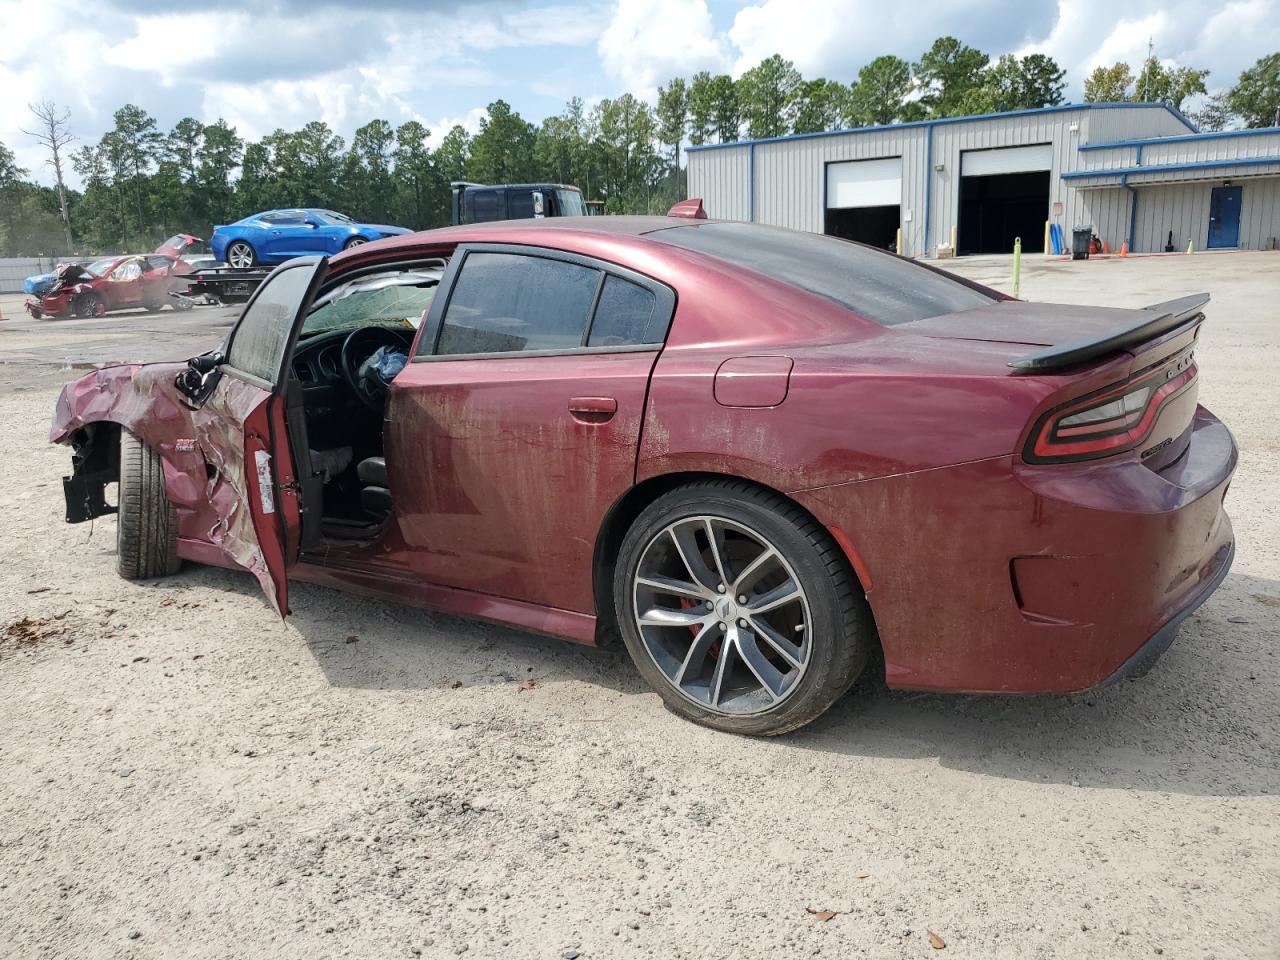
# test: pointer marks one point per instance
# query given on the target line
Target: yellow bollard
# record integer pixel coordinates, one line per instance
(1190, 246)
(1048, 247)
(955, 231)
(1017, 268)
(897, 243)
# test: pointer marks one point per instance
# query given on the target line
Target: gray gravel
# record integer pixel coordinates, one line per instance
(185, 777)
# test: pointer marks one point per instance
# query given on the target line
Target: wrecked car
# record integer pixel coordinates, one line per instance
(759, 459)
(113, 283)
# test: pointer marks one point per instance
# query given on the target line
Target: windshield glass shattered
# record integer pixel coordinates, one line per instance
(383, 299)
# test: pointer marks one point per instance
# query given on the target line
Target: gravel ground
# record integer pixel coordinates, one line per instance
(185, 777)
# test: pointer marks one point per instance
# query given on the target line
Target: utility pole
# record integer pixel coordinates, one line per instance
(53, 134)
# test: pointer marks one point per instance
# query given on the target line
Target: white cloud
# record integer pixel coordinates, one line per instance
(469, 121)
(650, 41)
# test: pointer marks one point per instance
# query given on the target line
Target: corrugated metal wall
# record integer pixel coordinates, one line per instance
(1132, 122)
(951, 140)
(1200, 151)
(13, 270)
(790, 174)
(1184, 209)
(791, 177)
(719, 177)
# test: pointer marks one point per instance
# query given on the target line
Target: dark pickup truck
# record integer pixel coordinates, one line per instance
(479, 203)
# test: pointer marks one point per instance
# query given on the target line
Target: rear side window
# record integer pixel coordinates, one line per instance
(520, 205)
(877, 285)
(626, 315)
(486, 204)
(505, 303)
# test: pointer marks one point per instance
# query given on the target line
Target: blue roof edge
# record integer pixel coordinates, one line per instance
(1168, 167)
(1180, 138)
(1059, 108)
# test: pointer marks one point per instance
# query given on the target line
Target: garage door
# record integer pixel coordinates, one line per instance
(865, 183)
(985, 163)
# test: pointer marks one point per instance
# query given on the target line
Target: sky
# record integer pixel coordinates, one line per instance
(281, 63)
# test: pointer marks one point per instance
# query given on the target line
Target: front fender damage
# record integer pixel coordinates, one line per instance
(202, 450)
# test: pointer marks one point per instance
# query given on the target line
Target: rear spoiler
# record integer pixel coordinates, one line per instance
(1163, 318)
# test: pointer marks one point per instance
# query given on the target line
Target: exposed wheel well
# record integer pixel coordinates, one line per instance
(624, 513)
(95, 462)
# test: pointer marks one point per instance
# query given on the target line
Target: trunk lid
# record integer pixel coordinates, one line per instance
(1095, 353)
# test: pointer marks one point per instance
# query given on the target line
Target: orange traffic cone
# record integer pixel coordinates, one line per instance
(1124, 249)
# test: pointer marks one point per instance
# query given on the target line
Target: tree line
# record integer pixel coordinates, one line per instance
(140, 184)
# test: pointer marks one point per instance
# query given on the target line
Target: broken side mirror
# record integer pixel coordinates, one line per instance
(198, 381)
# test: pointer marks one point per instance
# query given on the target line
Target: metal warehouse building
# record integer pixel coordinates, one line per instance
(1135, 172)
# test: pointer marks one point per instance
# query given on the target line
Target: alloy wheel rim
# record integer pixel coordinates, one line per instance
(240, 255)
(722, 615)
(356, 242)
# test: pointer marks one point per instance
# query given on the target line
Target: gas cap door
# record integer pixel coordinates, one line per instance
(753, 381)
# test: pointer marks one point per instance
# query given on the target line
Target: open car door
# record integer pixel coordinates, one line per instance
(242, 428)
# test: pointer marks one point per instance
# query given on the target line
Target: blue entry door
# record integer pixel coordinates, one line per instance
(1224, 217)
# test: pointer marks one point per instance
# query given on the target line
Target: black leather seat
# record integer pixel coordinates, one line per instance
(375, 498)
(372, 472)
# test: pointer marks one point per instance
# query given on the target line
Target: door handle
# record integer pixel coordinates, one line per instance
(593, 409)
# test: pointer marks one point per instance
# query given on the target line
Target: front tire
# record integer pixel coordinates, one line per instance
(88, 305)
(146, 522)
(241, 255)
(739, 610)
(354, 242)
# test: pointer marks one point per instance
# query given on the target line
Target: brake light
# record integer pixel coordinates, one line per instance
(1111, 420)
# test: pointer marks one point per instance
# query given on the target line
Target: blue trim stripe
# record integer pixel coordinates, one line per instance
(1060, 108)
(1182, 138)
(1170, 167)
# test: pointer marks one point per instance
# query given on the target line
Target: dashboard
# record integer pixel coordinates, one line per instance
(317, 362)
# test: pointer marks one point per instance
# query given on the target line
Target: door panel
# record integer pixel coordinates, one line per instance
(290, 239)
(503, 468)
(1224, 216)
(241, 399)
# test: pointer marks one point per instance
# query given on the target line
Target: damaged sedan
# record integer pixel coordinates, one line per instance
(150, 281)
(759, 459)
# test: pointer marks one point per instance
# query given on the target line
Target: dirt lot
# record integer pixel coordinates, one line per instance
(185, 777)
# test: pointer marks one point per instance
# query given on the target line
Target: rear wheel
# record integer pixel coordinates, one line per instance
(241, 255)
(354, 242)
(146, 524)
(739, 610)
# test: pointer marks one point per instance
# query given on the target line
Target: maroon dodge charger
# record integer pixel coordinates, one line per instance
(753, 455)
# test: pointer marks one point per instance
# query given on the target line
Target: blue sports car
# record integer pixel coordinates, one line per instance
(279, 235)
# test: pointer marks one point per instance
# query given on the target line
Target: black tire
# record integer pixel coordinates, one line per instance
(146, 524)
(354, 242)
(88, 305)
(841, 630)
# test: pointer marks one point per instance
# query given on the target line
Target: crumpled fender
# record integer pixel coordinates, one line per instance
(202, 449)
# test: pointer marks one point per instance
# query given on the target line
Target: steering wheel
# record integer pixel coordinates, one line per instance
(357, 348)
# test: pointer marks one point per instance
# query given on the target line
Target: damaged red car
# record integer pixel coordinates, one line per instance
(149, 281)
(753, 456)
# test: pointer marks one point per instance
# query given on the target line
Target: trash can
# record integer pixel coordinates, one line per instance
(1080, 238)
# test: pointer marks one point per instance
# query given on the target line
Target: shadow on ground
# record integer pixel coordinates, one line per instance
(1202, 722)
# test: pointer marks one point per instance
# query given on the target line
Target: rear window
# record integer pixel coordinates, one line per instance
(877, 285)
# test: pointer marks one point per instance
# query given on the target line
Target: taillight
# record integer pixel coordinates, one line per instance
(1108, 421)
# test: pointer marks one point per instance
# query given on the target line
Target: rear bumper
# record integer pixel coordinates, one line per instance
(1000, 576)
(1144, 658)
